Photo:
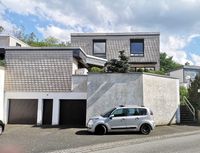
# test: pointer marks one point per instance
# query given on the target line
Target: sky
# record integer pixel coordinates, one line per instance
(177, 21)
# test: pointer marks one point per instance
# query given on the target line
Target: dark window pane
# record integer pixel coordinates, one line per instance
(137, 47)
(119, 112)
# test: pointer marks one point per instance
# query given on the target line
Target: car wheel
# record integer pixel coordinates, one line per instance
(145, 129)
(100, 130)
(1, 129)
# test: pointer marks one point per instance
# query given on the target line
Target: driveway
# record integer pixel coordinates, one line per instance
(44, 139)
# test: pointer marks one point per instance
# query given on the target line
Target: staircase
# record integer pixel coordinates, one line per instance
(187, 112)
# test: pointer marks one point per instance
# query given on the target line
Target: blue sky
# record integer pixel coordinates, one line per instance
(177, 21)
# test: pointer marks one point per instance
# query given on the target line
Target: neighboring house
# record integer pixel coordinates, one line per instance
(143, 49)
(11, 41)
(185, 74)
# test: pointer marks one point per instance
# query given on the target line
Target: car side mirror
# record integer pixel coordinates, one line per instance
(111, 116)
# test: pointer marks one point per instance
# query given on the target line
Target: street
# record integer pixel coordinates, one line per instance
(184, 144)
(63, 139)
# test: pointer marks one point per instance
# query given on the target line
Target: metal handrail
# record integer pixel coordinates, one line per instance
(190, 107)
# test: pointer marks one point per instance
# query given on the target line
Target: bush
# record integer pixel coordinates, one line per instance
(96, 69)
(183, 93)
(2, 62)
(119, 66)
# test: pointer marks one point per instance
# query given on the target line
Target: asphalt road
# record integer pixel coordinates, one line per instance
(47, 139)
(183, 144)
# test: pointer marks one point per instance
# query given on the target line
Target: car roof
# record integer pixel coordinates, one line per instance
(131, 106)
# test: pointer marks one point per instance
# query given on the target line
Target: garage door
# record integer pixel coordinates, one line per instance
(73, 112)
(23, 111)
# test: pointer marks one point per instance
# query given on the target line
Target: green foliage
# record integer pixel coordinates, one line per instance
(2, 62)
(119, 66)
(167, 64)
(183, 93)
(96, 69)
(157, 72)
(193, 95)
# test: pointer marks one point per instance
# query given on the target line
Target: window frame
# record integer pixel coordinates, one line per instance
(99, 41)
(123, 109)
(18, 44)
(137, 41)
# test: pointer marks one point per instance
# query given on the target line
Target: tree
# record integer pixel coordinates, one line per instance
(167, 64)
(193, 94)
(183, 93)
(119, 66)
(2, 29)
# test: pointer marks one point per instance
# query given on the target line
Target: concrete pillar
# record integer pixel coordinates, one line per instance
(56, 112)
(6, 111)
(178, 113)
(39, 112)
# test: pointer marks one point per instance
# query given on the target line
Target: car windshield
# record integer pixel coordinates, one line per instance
(107, 114)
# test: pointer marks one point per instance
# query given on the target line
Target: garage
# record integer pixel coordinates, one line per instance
(73, 113)
(22, 111)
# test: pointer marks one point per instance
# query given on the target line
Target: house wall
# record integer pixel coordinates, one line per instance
(116, 43)
(4, 41)
(56, 96)
(74, 66)
(38, 70)
(108, 90)
(13, 41)
(2, 77)
(79, 83)
(161, 95)
(177, 74)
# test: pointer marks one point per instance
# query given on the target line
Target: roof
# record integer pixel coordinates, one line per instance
(116, 34)
(77, 53)
(193, 67)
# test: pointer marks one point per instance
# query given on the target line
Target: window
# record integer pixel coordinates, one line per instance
(136, 111)
(119, 113)
(19, 45)
(137, 47)
(99, 48)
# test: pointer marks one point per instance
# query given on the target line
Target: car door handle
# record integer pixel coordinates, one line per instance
(137, 118)
(123, 119)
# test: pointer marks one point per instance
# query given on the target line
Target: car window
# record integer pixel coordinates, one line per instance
(136, 111)
(119, 112)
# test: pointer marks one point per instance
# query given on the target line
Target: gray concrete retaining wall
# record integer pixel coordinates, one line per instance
(161, 94)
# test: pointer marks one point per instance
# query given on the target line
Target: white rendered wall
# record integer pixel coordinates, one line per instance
(2, 72)
(40, 96)
(74, 66)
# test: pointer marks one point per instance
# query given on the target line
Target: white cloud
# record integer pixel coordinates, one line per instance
(54, 31)
(177, 21)
(196, 59)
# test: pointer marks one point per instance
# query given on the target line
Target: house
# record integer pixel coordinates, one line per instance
(39, 85)
(142, 48)
(185, 74)
(51, 85)
(7, 40)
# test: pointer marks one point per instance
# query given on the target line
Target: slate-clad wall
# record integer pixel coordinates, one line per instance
(122, 42)
(38, 70)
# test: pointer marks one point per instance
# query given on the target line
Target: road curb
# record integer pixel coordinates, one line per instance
(103, 146)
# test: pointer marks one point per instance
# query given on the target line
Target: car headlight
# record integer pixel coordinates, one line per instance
(91, 122)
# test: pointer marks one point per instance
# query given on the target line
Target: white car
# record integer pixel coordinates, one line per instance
(123, 118)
